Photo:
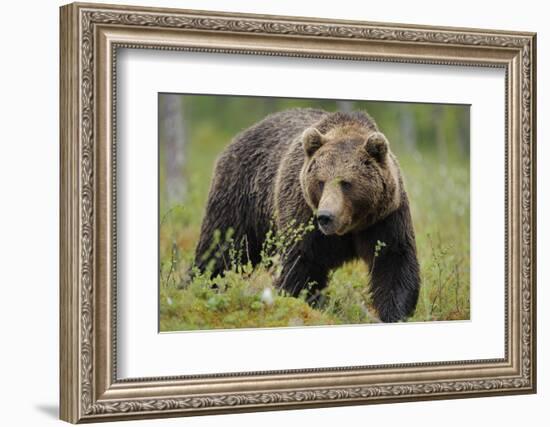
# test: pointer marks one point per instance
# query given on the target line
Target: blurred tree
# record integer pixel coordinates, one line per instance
(439, 125)
(173, 134)
(407, 126)
(345, 106)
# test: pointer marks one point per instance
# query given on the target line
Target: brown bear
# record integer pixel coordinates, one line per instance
(334, 166)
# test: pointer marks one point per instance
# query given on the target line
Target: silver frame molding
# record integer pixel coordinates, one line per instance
(90, 37)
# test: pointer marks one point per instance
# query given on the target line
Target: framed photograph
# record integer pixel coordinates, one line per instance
(267, 212)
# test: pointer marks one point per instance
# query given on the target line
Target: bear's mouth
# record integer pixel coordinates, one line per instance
(327, 230)
(332, 229)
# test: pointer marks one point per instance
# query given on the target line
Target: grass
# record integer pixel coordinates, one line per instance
(245, 297)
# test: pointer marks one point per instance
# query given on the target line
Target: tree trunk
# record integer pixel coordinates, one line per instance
(407, 126)
(345, 106)
(173, 134)
(437, 117)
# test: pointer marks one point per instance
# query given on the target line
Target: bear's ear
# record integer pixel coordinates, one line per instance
(312, 140)
(377, 146)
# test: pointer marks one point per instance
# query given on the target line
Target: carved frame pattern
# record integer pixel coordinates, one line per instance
(81, 399)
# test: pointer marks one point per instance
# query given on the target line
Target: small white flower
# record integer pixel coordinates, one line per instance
(169, 300)
(267, 296)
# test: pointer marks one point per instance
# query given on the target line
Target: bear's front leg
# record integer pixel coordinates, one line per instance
(389, 249)
(299, 273)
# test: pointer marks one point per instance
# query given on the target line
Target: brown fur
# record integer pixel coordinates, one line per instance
(292, 165)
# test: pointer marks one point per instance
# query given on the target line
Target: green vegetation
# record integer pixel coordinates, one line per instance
(432, 145)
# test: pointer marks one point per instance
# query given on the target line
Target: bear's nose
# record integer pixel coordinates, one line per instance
(324, 218)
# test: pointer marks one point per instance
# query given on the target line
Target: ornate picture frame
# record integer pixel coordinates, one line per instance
(90, 37)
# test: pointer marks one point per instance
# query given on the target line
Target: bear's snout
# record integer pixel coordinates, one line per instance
(331, 214)
(325, 219)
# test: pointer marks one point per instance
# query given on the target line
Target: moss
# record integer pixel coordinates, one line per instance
(199, 306)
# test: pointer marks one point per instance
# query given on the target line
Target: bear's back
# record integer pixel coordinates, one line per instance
(277, 128)
(254, 154)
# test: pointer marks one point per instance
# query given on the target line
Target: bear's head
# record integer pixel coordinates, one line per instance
(350, 178)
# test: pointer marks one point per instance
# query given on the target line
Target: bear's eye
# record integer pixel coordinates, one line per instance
(321, 186)
(346, 185)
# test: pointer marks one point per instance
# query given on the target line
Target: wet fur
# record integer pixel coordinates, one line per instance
(262, 176)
